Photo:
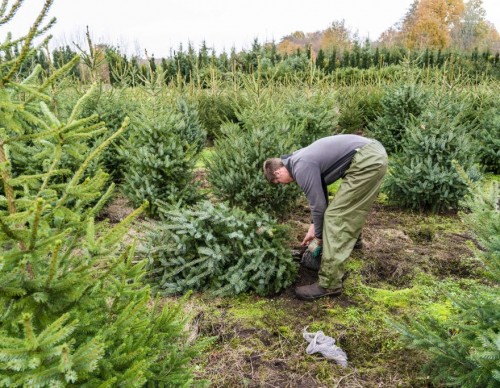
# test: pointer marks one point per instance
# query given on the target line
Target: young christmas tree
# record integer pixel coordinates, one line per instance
(74, 309)
(422, 176)
(189, 128)
(488, 137)
(399, 106)
(271, 123)
(161, 151)
(235, 169)
(464, 350)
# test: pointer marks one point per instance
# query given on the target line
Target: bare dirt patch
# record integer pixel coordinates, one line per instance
(117, 210)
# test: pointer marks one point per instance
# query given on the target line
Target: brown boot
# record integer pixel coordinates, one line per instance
(315, 291)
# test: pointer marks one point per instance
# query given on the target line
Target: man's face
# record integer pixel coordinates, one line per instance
(282, 176)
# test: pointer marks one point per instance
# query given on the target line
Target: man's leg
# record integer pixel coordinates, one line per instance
(347, 213)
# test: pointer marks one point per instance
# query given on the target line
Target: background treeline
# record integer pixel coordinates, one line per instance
(430, 34)
(202, 66)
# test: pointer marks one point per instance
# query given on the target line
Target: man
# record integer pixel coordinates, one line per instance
(362, 163)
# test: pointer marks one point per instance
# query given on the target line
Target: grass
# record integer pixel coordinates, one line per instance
(203, 157)
(411, 265)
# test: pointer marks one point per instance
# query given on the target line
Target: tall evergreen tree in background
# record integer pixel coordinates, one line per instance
(74, 309)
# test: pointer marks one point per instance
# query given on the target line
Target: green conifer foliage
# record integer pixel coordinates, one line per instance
(74, 309)
(190, 128)
(399, 106)
(225, 250)
(314, 114)
(422, 176)
(160, 157)
(235, 169)
(464, 350)
(215, 108)
(488, 137)
(270, 124)
(112, 107)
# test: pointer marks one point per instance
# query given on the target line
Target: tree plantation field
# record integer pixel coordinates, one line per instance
(141, 244)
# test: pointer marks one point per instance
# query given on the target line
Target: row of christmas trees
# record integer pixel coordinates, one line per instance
(193, 65)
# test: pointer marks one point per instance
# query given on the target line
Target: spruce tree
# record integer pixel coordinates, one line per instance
(464, 350)
(190, 128)
(271, 123)
(74, 308)
(399, 106)
(488, 138)
(235, 169)
(161, 152)
(312, 114)
(320, 60)
(422, 176)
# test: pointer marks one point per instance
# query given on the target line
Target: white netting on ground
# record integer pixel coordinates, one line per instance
(321, 343)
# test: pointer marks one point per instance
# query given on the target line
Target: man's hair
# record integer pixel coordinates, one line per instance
(270, 166)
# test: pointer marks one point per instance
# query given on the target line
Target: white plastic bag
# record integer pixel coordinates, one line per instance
(320, 343)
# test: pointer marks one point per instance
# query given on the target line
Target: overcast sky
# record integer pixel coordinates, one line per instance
(158, 26)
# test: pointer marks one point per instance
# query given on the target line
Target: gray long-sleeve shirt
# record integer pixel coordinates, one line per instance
(320, 164)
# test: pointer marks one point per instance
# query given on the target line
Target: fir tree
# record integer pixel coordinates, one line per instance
(224, 250)
(313, 115)
(464, 350)
(422, 176)
(112, 106)
(161, 152)
(74, 307)
(235, 169)
(320, 60)
(399, 106)
(63, 55)
(332, 61)
(488, 138)
(190, 128)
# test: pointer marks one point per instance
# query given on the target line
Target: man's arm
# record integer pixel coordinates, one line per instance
(308, 177)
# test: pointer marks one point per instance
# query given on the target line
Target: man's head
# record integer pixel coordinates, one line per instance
(275, 171)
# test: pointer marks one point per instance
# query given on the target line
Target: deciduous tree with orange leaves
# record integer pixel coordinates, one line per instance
(429, 23)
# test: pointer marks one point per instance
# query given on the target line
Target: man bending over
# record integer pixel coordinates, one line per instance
(362, 164)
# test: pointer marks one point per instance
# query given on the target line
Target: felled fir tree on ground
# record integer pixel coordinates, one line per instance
(224, 250)
(73, 309)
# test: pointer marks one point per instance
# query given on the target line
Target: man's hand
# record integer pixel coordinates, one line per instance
(309, 236)
(315, 247)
